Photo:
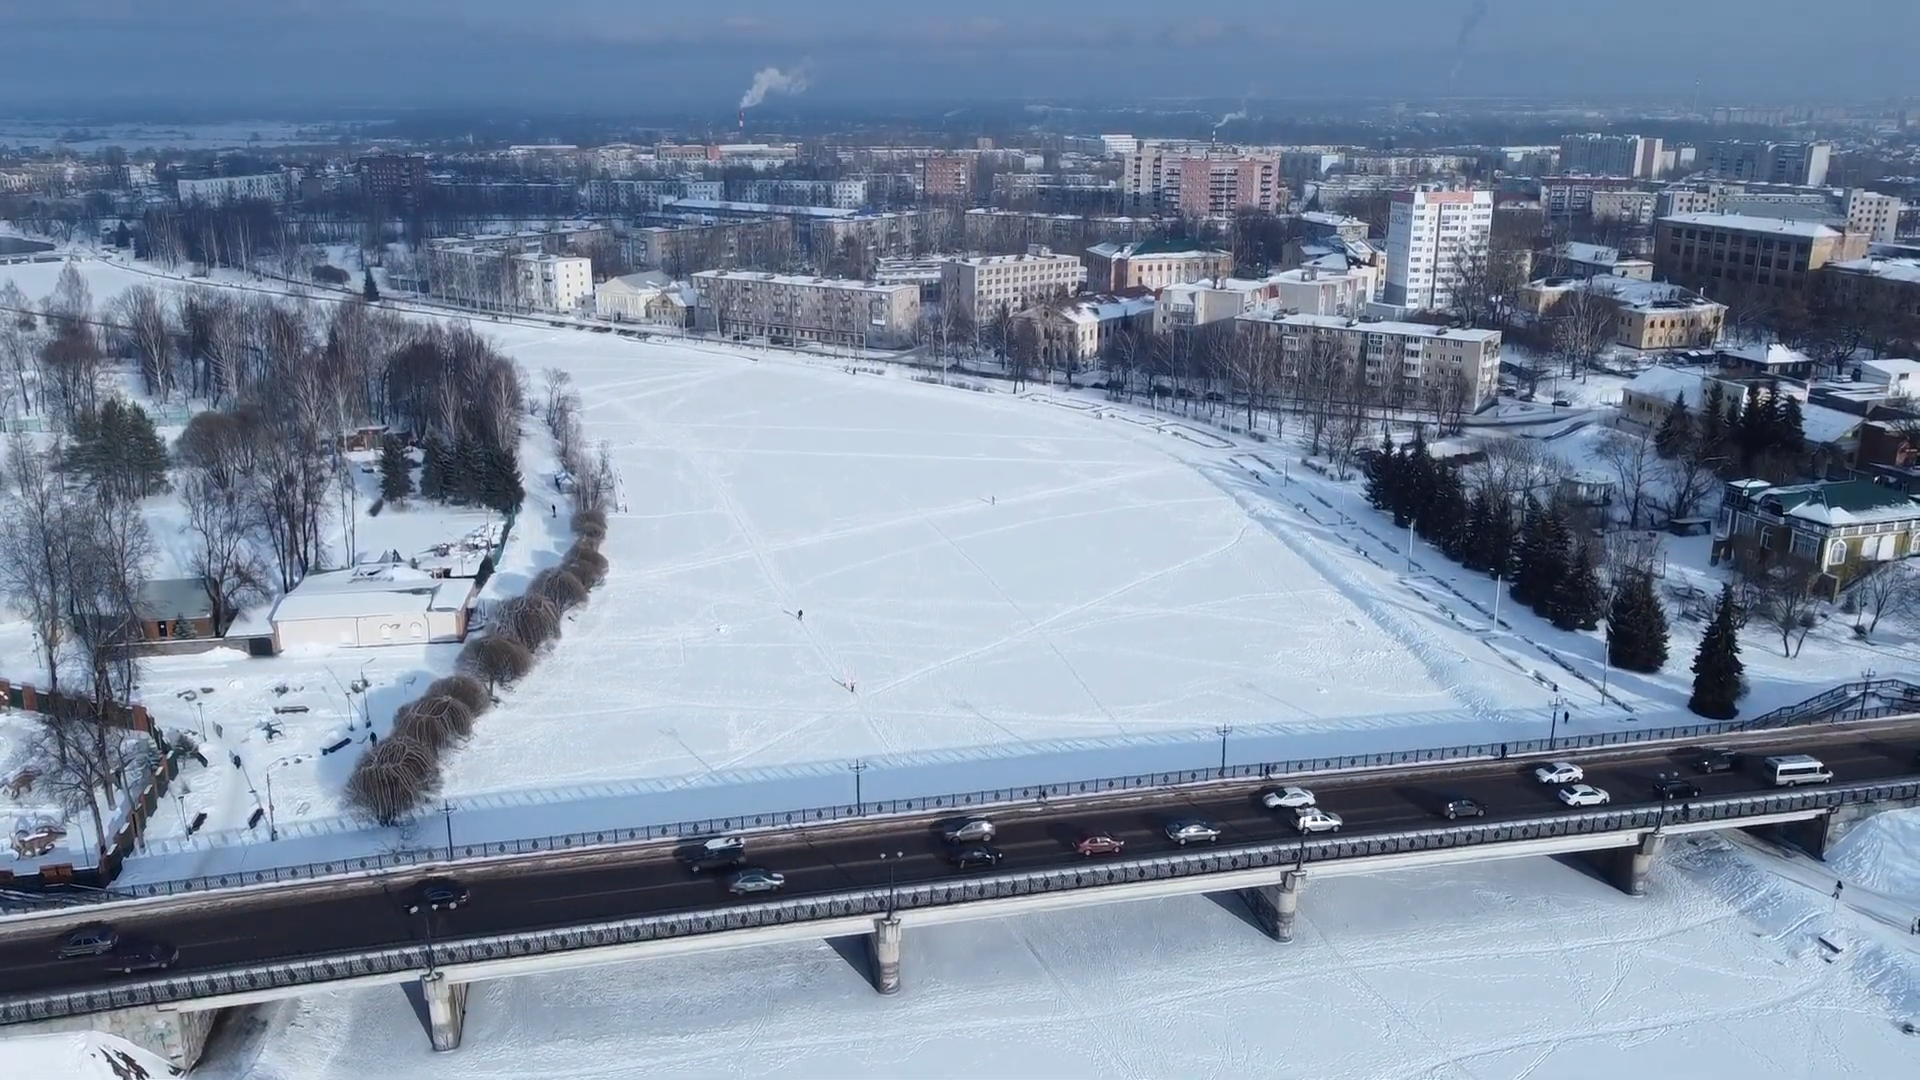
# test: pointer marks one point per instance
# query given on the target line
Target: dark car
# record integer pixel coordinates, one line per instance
(968, 856)
(1460, 806)
(438, 894)
(130, 956)
(1675, 786)
(722, 853)
(91, 939)
(1715, 760)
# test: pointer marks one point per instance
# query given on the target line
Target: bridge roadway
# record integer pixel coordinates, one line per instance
(346, 916)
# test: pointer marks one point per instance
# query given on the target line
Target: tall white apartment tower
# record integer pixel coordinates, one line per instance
(1428, 235)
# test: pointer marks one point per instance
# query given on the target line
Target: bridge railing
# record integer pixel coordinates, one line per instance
(908, 896)
(1852, 701)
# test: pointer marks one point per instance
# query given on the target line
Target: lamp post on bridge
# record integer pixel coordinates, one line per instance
(893, 863)
(859, 804)
(1223, 731)
(1558, 705)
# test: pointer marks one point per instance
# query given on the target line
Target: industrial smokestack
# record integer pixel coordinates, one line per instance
(743, 125)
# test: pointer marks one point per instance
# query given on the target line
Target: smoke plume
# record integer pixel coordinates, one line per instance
(1237, 114)
(774, 81)
(1467, 26)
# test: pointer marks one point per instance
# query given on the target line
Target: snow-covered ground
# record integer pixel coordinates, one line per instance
(1516, 969)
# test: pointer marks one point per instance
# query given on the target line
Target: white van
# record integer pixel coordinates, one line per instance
(1792, 770)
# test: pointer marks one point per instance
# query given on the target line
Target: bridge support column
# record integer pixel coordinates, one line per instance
(446, 1009)
(1636, 863)
(886, 954)
(1275, 906)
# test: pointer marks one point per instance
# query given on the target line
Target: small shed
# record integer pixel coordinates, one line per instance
(1587, 488)
(173, 609)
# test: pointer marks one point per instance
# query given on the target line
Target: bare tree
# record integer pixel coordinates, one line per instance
(1510, 469)
(1888, 587)
(1787, 601)
(559, 588)
(224, 552)
(1690, 479)
(464, 689)
(586, 565)
(393, 780)
(1634, 463)
(104, 562)
(1583, 323)
(35, 534)
(441, 722)
(18, 343)
(530, 620)
(495, 661)
(149, 335)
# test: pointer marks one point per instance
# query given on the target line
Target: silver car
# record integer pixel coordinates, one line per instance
(972, 830)
(1192, 832)
(753, 879)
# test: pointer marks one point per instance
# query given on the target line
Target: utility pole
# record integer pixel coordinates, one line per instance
(859, 804)
(1223, 731)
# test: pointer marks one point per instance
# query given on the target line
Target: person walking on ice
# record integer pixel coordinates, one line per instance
(800, 615)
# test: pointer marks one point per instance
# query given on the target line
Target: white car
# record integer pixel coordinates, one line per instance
(1312, 819)
(1584, 795)
(1290, 798)
(1560, 772)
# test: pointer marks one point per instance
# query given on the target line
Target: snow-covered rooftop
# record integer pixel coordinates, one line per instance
(1753, 223)
(367, 590)
(1903, 269)
(1664, 382)
(1768, 356)
(1342, 322)
(849, 284)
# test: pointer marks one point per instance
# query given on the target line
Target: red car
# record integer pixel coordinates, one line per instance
(1099, 844)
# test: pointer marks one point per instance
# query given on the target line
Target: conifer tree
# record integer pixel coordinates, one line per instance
(1474, 533)
(499, 485)
(1637, 626)
(1712, 421)
(1789, 430)
(1444, 521)
(1526, 560)
(433, 471)
(464, 471)
(1676, 430)
(1380, 474)
(368, 290)
(396, 470)
(1719, 677)
(1575, 601)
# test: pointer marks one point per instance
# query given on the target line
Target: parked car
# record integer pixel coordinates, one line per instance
(1290, 798)
(1716, 759)
(970, 830)
(1584, 795)
(438, 894)
(1675, 786)
(1312, 819)
(90, 939)
(1560, 772)
(719, 853)
(1460, 806)
(1189, 832)
(968, 856)
(1100, 844)
(130, 956)
(754, 879)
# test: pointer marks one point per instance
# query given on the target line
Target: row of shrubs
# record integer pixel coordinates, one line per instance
(399, 774)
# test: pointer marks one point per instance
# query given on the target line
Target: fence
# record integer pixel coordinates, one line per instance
(1839, 703)
(877, 901)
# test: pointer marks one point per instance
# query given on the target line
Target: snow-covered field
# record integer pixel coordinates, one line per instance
(1518, 969)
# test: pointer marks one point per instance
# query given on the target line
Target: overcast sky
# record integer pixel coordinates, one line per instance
(604, 55)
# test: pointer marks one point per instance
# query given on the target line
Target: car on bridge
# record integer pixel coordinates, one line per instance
(1459, 806)
(1559, 772)
(1312, 819)
(1675, 786)
(1289, 798)
(719, 853)
(132, 956)
(754, 879)
(1100, 844)
(1189, 831)
(1716, 759)
(89, 939)
(439, 894)
(969, 831)
(1584, 795)
(968, 856)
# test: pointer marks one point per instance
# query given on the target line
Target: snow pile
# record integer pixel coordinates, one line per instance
(1882, 853)
(81, 1055)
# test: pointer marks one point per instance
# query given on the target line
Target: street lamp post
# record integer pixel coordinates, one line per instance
(893, 862)
(273, 827)
(859, 804)
(1558, 705)
(446, 811)
(1223, 731)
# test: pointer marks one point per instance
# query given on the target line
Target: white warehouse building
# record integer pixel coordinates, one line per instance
(371, 606)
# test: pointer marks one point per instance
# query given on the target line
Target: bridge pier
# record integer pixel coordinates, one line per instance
(886, 954)
(1275, 906)
(179, 1037)
(446, 1009)
(1636, 864)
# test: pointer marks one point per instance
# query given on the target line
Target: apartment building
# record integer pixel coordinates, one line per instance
(1630, 207)
(1073, 335)
(1308, 290)
(1594, 154)
(789, 308)
(392, 178)
(1429, 233)
(1767, 162)
(612, 195)
(1321, 225)
(1887, 286)
(984, 284)
(843, 194)
(1412, 364)
(487, 275)
(1647, 314)
(1222, 187)
(1712, 252)
(1153, 264)
(648, 297)
(947, 177)
(217, 190)
(1854, 210)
